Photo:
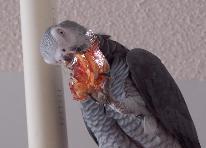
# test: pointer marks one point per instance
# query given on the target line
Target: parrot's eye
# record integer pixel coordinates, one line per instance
(60, 31)
(63, 50)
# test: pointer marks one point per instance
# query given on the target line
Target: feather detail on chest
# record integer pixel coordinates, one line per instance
(119, 72)
(124, 97)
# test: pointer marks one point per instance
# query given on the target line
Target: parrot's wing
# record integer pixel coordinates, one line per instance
(91, 133)
(162, 96)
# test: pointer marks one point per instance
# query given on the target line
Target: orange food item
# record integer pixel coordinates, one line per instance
(87, 70)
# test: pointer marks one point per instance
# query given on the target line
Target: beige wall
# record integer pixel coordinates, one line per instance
(175, 30)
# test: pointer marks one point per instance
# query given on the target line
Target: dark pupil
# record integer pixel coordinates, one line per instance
(60, 31)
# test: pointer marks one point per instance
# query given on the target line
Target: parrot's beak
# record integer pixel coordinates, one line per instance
(69, 60)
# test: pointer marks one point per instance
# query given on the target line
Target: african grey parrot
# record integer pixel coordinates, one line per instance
(144, 107)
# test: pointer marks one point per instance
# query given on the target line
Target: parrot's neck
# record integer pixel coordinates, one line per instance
(111, 49)
(91, 36)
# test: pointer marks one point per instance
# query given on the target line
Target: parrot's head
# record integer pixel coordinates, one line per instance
(60, 41)
(71, 44)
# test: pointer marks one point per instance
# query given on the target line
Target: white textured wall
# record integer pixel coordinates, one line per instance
(10, 44)
(175, 30)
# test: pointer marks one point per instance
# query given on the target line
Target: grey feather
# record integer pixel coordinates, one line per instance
(90, 132)
(149, 78)
(162, 96)
(104, 128)
(132, 115)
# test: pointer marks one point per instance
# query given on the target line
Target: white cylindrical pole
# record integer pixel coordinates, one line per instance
(43, 87)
